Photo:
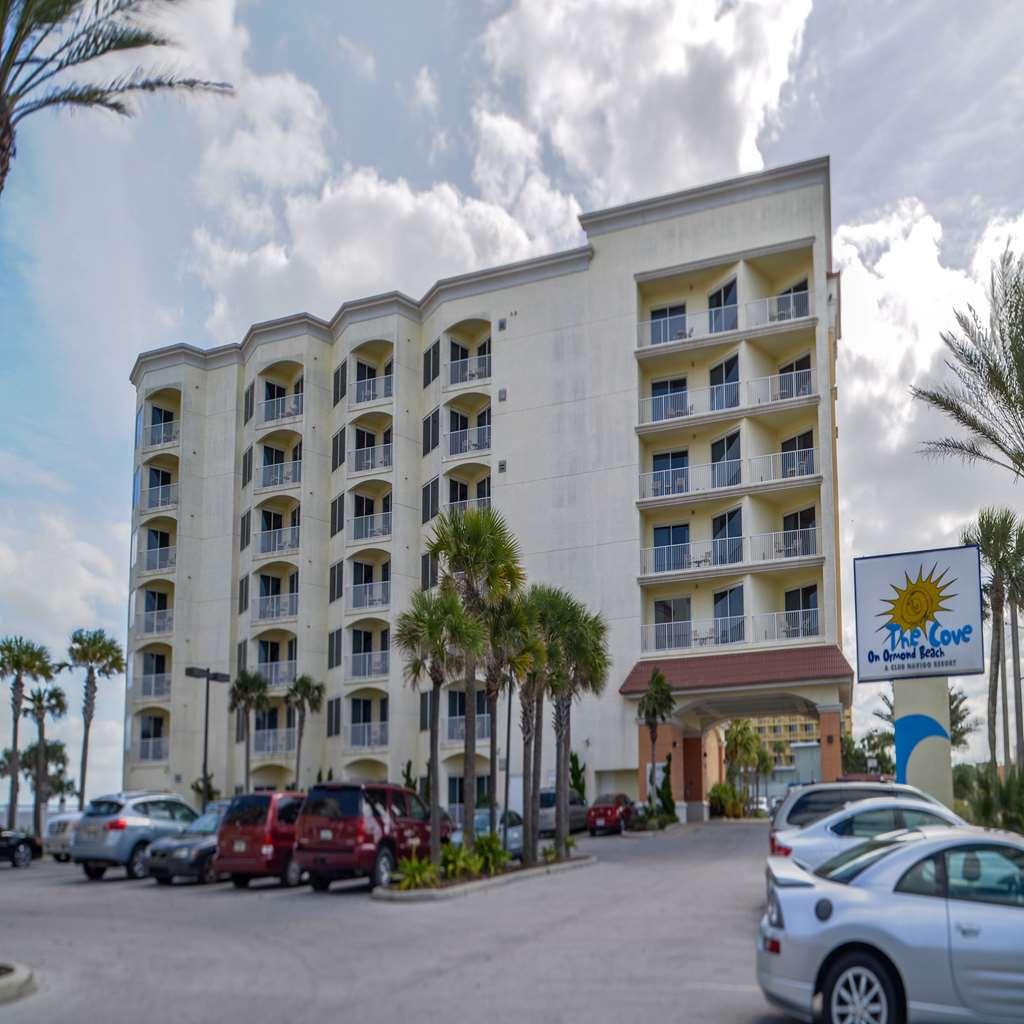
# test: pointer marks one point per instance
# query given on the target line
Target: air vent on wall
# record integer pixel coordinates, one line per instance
(501, 465)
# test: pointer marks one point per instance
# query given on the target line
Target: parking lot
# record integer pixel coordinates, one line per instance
(659, 929)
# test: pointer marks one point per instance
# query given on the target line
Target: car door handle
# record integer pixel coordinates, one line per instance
(968, 931)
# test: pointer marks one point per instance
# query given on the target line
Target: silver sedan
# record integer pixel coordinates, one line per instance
(922, 925)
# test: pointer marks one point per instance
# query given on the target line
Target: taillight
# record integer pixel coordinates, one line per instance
(361, 830)
(779, 849)
(117, 825)
(772, 945)
(267, 849)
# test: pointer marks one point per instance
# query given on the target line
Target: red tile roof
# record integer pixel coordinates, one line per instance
(744, 669)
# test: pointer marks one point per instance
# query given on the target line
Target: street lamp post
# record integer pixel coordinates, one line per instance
(217, 677)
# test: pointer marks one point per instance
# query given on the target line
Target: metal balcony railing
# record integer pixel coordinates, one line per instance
(775, 547)
(777, 309)
(366, 460)
(276, 606)
(154, 749)
(164, 496)
(369, 595)
(155, 435)
(283, 408)
(275, 542)
(783, 466)
(373, 389)
(729, 551)
(371, 527)
(672, 636)
(155, 685)
(368, 734)
(368, 665)
(687, 326)
(795, 625)
(457, 728)
(465, 442)
(470, 503)
(159, 621)
(273, 741)
(277, 673)
(729, 473)
(463, 371)
(281, 474)
(157, 559)
(781, 387)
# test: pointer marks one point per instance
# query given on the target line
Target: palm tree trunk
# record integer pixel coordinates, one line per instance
(40, 794)
(17, 698)
(566, 747)
(1007, 756)
(6, 142)
(652, 776)
(433, 773)
(1018, 694)
(88, 710)
(526, 727)
(556, 721)
(298, 746)
(993, 678)
(492, 796)
(469, 759)
(247, 736)
(538, 753)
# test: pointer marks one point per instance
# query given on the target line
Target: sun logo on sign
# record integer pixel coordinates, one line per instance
(918, 601)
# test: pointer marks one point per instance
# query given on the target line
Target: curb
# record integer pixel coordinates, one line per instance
(669, 830)
(468, 888)
(17, 982)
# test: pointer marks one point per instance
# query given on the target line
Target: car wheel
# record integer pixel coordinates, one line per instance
(292, 874)
(62, 858)
(164, 879)
(136, 866)
(21, 856)
(859, 989)
(94, 872)
(383, 869)
(240, 881)
(320, 883)
(207, 872)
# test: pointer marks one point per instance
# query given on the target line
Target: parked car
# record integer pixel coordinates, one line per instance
(482, 825)
(189, 854)
(803, 805)
(19, 848)
(116, 830)
(577, 812)
(352, 830)
(822, 839)
(610, 812)
(60, 830)
(256, 838)
(922, 925)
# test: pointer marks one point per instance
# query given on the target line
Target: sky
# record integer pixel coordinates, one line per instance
(378, 146)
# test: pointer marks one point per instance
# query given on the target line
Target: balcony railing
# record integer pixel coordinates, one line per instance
(457, 728)
(159, 621)
(165, 496)
(155, 685)
(470, 503)
(728, 551)
(155, 435)
(781, 387)
(369, 595)
(368, 734)
(273, 741)
(784, 625)
(275, 542)
(767, 627)
(154, 749)
(368, 665)
(281, 474)
(463, 371)
(366, 460)
(277, 673)
(464, 442)
(157, 559)
(729, 473)
(371, 527)
(777, 309)
(373, 389)
(282, 408)
(277, 606)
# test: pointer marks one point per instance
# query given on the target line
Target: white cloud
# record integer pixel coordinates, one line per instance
(425, 96)
(360, 58)
(20, 473)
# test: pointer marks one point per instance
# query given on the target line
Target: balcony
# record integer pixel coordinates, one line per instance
(280, 474)
(375, 527)
(369, 460)
(152, 498)
(470, 503)
(268, 742)
(364, 596)
(728, 552)
(714, 476)
(368, 734)
(277, 542)
(159, 621)
(728, 631)
(368, 665)
(155, 686)
(277, 673)
(457, 728)
(276, 606)
(155, 749)
(776, 309)
(157, 559)
(156, 435)
(469, 442)
(286, 407)
(466, 371)
(373, 389)
(772, 626)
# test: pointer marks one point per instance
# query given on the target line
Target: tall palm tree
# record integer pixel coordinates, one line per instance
(305, 694)
(1015, 596)
(248, 693)
(986, 396)
(21, 659)
(741, 743)
(994, 532)
(655, 706)
(100, 655)
(42, 703)
(436, 635)
(42, 41)
(479, 556)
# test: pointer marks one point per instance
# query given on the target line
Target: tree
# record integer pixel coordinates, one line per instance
(56, 755)
(741, 743)
(531, 694)
(665, 797)
(961, 724)
(764, 765)
(305, 694)
(43, 40)
(205, 790)
(436, 635)
(577, 775)
(855, 758)
(21, 659)
(42, 703)
(100, 655)
(480, 562)
(248, 693)
(654, 708)
(1015, 595)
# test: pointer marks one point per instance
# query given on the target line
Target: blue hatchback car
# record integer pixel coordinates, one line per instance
(116, 830)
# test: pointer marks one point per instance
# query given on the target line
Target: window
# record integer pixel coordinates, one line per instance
(727, 537)
(337, 573)
(334, 804)
(249, 402)
(334, 648)
(725, 460)
(240, 725)
(794, 301)
(867, 824)
(425, 710)
(338, 449)
(428, 571)
(722, 308)
(729, 620)
(340, 383)
(673, 627)
(801, 615)
(799, 533)
(669, 399)
(798, 454)
(242, 655)
(669, 324)
(670, 473)
(986, 874)
(922, 819)
(247, 466)
(288, 810)
(924, 879)
(250, 809)
(431, 431)
(244, 531)
(724, 380)
(243, 594)
(337, 514)
(430, 499)
(334, 716)
(671, 548)
(181, 812)
(795, 378)
(432, 363)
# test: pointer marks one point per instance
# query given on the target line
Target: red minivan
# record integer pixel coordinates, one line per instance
(361, 829)
(256, 839)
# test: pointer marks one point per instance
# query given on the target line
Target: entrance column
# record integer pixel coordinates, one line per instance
(830, 726)
(695, 788)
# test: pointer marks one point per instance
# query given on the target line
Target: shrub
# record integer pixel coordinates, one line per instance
(719, 797)
(457, 862)
(550, 854)
(734, 808)
(999, 804)
(492, 854)
(666, 801)
(416, 873)
(570, 845)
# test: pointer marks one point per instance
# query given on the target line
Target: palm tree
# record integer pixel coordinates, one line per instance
(42, 40)
(741, 743)
(764, 765)
(100, 655)
(480, 559)
(21, 659)
(436, 635)
(986, 397)
(42, 703)
(248, 693)
(654, 708)
(994, 532)
(1015, 595)
(305, 694)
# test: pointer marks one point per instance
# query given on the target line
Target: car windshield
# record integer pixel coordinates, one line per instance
(248, 810)
(846, 866)
(102, 808)
(206, 824)
(547, 799)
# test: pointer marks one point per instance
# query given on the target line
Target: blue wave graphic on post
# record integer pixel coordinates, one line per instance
(911, 730)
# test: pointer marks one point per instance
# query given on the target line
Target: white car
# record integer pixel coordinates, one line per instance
(60, 831)
(849, 827)
(919, 926)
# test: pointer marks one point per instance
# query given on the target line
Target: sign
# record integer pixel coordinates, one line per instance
(919, 614)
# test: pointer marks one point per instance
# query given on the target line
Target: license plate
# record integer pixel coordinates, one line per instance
(239, 846)
(600, 822)
(326, 833)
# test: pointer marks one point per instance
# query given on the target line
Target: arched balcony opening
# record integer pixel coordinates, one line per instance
(454, 792)
(279, 392)
(152, 608)
(156, 483)
(151, 735)
(369, 440)
(367, 650)
(275, 589)
(468, 353)
(155, 546)
(372, 370)
(367, 719)
(276, 525)
(365, 769)
(369, 512)
(468, 486)
(279, 460)
(273, 731)
(158, 419)
(151, 672)
(276, 652)
(369, 586)
(468, 426)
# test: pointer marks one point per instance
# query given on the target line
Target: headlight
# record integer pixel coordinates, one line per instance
(182, 853)
(775, 910)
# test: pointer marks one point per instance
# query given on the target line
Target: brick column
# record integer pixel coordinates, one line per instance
(695, 781)
(830, 722)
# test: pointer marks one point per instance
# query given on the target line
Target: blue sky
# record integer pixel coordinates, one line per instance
(371, 147)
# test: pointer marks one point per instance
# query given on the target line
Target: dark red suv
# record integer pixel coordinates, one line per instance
(361, 829)
(610, 812)
(257, 837)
